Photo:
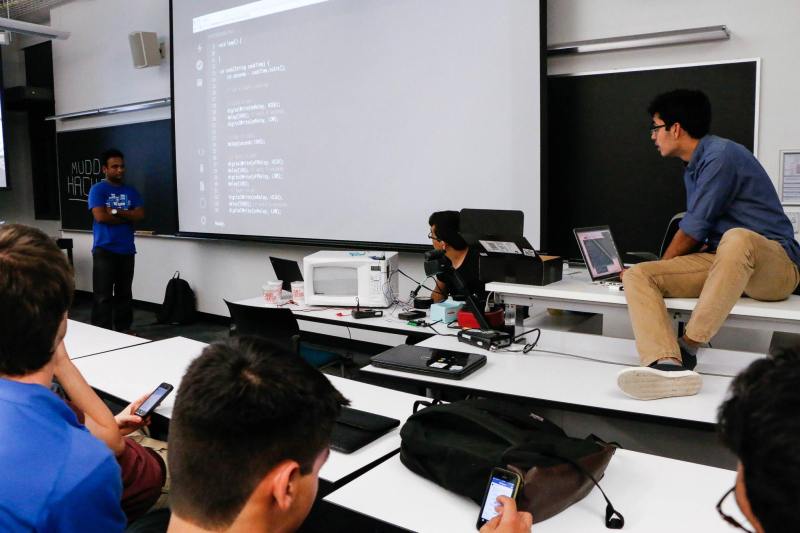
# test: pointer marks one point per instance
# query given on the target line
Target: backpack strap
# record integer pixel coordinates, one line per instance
(177, 275)
(614, 519)
(519, 415)
(423, 403)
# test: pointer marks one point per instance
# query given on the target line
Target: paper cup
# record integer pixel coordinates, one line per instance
(272, 291)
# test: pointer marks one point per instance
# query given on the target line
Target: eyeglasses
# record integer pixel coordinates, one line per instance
(728, 518)
(654, 128)
(433, 237)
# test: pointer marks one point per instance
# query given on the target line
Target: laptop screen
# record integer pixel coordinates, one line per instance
(287, 271)
(599, 252)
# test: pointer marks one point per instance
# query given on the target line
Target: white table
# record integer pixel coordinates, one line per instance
(388, 330)
(377, 400)
(589, 384)
(131, 372)
(654, 494)
(576, 292)
(84, 339)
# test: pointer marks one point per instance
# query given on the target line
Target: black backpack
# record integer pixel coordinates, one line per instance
(179, 305)
(457, 445)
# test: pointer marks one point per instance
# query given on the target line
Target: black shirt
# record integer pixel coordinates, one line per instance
(470, 275)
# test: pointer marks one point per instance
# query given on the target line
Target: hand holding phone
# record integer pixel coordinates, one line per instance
(510, 521)
(154, 400)
(505, 483)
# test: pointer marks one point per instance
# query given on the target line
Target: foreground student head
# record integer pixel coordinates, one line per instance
(760, 423)
(249, 433)
(36, 287)
(54, 475)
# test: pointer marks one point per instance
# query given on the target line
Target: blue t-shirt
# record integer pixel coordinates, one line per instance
(54, 475)
(726, 187)
(117, 238)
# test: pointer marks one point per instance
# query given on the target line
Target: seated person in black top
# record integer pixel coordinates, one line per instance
(444, 235)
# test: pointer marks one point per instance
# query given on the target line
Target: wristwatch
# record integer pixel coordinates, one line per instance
(114, 211)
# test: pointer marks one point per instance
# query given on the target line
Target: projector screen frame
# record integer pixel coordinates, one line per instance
(360, 244)
(4, 127)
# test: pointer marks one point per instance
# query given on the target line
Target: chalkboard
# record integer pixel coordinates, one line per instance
(603, 168)
(148, 157)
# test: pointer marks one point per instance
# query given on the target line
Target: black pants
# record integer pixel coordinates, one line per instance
(112, 277)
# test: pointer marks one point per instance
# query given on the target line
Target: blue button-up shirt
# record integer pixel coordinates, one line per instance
(726, 187)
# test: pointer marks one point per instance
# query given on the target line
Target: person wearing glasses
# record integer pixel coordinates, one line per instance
(445, 236)
(734, 239)
(760, 424)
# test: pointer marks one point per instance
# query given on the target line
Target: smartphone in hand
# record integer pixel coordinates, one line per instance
(154, 400)
(502, 482)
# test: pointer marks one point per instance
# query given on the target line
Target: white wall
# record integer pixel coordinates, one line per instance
(93, 69)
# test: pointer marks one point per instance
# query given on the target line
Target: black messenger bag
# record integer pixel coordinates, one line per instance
(457, 445)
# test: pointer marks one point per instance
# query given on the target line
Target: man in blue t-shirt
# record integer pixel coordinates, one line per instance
(115, 207)
(54, 475)
(734, 239)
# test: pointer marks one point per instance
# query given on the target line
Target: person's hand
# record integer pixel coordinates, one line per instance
(509, 520)
(622, 273)
(129, 422)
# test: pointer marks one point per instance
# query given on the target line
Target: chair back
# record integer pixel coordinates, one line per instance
(274, 324)
(672, 229)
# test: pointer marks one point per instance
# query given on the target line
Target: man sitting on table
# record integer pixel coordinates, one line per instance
(55, 475)
(734, 239)
(760, 423)
(445, 236)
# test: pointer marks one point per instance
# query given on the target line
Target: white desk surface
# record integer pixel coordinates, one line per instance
(84, 339)
(341, 315)
(377, 400)
(588, 383)
(654, 494)
(131, 372)
(576, 286)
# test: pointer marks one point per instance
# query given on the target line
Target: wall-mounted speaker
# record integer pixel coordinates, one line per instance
(145, 49)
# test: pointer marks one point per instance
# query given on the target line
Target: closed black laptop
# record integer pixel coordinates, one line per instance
(430, 361)
(355, 429)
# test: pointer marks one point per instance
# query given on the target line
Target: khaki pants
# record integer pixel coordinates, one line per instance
(745, 263)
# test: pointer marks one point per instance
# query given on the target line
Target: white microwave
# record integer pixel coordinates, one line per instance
(342, 278)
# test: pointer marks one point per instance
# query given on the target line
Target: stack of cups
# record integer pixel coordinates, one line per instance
(272, 291)
(299, 292)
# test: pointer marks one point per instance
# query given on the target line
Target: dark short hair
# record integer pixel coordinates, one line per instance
(108, 154)
(691, 109)
(36, 287)
(447, 224)
(760, 423)
(244, 406)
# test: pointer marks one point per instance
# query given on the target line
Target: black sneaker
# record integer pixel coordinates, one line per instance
(659, 381)
(688, 356)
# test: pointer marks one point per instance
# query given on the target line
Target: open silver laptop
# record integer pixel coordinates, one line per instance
(600, 254)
